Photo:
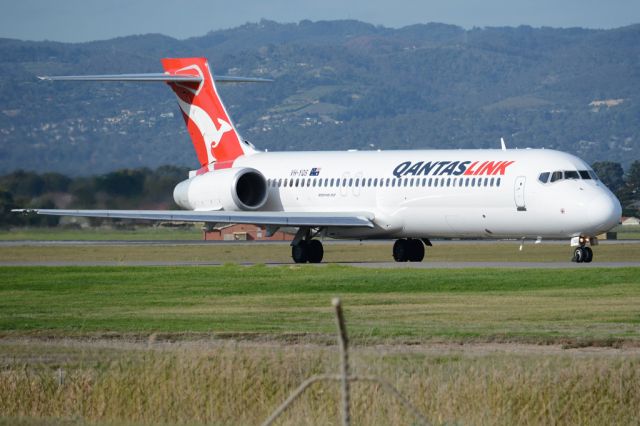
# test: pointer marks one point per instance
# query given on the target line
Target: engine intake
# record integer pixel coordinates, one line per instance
(227, 189)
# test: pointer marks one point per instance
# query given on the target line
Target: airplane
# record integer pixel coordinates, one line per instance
(410, 196)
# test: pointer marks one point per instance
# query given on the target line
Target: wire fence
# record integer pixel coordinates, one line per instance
(345, 378)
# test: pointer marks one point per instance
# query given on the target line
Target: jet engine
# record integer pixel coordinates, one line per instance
(226, 189)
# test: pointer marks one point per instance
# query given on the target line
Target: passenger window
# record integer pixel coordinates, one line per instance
(555, 176)
(544, 177)
(571, 174)
(498, 182)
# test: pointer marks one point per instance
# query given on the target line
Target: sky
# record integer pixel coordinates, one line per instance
(86, 20)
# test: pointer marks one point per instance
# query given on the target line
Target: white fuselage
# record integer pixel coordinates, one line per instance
(439, 193)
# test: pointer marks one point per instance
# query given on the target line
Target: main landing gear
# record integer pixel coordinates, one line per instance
(305, 249)
(409, 250)
(583, 253)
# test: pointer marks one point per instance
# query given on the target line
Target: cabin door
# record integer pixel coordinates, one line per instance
(519, 193)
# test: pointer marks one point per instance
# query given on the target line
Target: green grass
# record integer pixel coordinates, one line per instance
(279, 302)
(102, 234)
(628, 232)
(219, 345)
(334, 252)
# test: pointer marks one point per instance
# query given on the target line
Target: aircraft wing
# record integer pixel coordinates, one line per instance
(317, 219)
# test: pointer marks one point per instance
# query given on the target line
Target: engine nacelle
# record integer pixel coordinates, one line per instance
(226, 189)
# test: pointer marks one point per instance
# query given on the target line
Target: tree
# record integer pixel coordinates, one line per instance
(611, 174)
(631, 195)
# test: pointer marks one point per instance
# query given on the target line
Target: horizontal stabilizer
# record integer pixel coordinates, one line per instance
(162, 77)
(258, 218)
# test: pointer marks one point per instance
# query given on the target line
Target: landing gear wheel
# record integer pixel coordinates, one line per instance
(300, 252)
(401, 250)
(315, 251)
(409, 249)
(578, 255)
(416, 252)
(582, 254)
(307, 251)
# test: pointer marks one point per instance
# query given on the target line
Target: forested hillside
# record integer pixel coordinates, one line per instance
(338, 84)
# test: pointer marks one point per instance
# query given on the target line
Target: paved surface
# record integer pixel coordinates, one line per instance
(383, 265)
(45, 243)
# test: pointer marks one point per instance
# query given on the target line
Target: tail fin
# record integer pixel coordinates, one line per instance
(214, 136)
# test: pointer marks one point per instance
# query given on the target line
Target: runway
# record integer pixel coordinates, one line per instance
(371, 265)
(275, 253)
(47, 243)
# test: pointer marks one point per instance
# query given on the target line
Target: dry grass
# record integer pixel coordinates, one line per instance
(281, 253)
(242, 383)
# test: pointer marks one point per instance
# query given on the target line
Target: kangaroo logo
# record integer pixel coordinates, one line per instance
(211, 134)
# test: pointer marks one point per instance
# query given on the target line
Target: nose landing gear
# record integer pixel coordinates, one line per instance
(583, 253)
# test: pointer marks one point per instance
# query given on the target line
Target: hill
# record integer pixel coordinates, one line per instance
(338, 84)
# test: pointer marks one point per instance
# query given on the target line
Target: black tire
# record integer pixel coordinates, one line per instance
(588, 254)
(300, 252)
(401, 250)
(315, 251)
(416, 250)
(578, 255)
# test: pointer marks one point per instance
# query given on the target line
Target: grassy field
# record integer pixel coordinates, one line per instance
(226, 344)
(628, 232)
(538, 306)
(281, 253)
(199, 383)
(102, 234)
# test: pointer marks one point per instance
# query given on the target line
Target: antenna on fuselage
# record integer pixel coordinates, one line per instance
(504, 146)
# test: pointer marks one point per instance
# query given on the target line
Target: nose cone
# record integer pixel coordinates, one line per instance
(604, 211)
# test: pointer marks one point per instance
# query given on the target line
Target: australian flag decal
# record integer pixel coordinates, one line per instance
(315, 171)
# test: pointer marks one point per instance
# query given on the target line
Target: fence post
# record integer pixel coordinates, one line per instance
(343, 342)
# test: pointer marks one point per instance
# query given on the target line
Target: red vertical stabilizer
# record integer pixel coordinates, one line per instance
(214, 136)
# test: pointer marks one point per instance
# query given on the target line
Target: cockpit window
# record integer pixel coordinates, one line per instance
(544, 177)
(556, 176)
(567, 174)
